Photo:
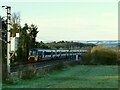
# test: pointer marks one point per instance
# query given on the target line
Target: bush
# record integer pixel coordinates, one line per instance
(6, 78)
(118, 60)
(103, 55)
(86, 57)
(59, 66)
(29, 73)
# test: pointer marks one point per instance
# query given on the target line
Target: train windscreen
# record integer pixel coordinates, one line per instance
(33, 53)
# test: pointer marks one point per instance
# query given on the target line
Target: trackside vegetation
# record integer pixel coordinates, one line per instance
(101, 55)
(79, 76)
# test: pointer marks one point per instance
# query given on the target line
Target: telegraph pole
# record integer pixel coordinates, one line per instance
(8, 8)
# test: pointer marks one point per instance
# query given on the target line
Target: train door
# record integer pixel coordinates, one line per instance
(44, 54)
(51, 54)
(66, 54)
(40, 55)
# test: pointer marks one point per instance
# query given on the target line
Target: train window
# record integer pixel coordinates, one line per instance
(30, 53)
(34, 53)
(63, 52)
(53, 52)
(47, 53)
(44, 52)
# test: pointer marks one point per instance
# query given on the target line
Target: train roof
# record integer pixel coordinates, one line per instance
(58, 50)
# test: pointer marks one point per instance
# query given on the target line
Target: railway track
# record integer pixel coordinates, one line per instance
(44, 63)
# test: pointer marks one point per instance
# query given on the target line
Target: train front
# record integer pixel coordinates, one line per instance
(33, 55)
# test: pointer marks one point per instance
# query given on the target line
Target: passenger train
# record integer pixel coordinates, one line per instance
(38, 54)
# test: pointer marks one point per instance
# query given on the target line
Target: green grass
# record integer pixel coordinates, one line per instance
(80, 76)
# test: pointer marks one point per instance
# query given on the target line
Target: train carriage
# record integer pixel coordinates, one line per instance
(38, 54)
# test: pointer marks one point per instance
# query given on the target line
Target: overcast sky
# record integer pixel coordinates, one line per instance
(69, 20)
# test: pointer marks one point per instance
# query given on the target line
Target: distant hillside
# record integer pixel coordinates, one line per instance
(77, 44)
(68, 45)
(107, 43)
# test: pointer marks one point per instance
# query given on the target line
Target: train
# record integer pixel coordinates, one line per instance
(38, 54)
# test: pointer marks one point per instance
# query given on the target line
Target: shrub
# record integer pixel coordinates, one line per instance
(6, 78)
(4, 72)
(118, 60)
(29, 73)
(86, 57)
(59, 66)
(103, 55)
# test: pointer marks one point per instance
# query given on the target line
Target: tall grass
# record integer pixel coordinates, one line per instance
(103, 55)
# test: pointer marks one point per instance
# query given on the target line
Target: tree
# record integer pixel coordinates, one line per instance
(27, 40)
(4, 48)
(15, 24)
(23, 43)
(42, 45)
(33, 34)
(4, 40)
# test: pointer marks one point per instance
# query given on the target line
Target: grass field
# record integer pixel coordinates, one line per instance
(80, 76)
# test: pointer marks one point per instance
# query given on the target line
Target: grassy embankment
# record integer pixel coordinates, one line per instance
(80, 76)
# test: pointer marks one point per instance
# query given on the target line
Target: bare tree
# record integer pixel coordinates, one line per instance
(15, 24)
